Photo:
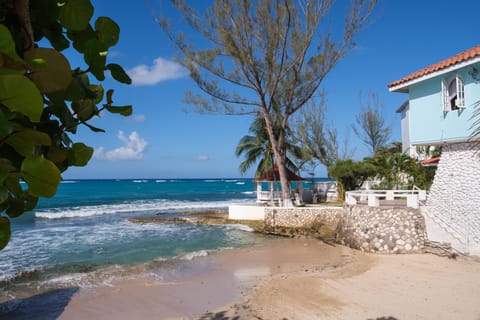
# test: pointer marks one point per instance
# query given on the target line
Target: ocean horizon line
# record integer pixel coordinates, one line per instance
(170, 179)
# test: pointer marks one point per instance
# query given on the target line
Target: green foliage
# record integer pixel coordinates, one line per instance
(43, 99)
(397, 170)
(350, 175)
(257, 148)
(4, 232)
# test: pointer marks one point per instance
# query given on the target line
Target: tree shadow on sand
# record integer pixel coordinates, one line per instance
(222, 315)
(48, 305)
(383, 318)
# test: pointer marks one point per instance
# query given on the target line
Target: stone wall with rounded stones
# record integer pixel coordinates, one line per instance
(454, 198)
(299, 217)
(383, 229)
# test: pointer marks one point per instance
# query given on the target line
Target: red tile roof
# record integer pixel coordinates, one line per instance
(461, 57)
(430, 162)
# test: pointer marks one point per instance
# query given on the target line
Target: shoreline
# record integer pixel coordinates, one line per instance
(227, 276)
(285, 279)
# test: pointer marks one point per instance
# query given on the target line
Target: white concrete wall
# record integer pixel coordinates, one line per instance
(454, 200)
(246, 212)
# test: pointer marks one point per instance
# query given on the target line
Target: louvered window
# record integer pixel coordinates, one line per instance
(445, 103)
(460, 92)
(453, 94)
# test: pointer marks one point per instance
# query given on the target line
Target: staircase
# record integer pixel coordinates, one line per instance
(439, 231)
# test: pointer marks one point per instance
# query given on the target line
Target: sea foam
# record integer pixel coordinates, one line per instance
(195, 254)
(160, 205)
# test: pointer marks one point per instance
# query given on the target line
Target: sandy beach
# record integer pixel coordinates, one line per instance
(290, 279)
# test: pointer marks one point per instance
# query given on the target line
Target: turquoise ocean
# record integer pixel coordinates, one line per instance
(82, 238)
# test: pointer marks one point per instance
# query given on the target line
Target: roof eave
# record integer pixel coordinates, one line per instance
(404, 87)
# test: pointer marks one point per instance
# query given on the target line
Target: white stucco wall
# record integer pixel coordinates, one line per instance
(246, 212)
(454, 198)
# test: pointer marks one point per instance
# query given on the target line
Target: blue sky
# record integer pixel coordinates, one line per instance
(160, 140)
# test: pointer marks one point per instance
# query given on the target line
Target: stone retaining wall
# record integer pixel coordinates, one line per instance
(384, 230)
(371, 229)
(301, 216)
(317, 222)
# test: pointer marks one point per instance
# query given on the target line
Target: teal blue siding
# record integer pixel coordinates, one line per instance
(428, 123)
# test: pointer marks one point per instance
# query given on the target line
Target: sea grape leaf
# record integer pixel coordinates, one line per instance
(5, 232)
(95, 55)
(12, 182)
(41, 175)
(3, 194)
(54, 75)
(44, 12)
(5, 126)
(85, 109)
(107, 30)
(18, 93)
(75, 14)
(109, 96)
(17, 206)
(75, 90)
(80, 38)
(30, 202)
(26, 141)
(80, 154)
(94, 129)
(122, 110)
(5, 168)
(57, 39)
(118, 73)
(57, 154)
(7, 45)
(98, 91)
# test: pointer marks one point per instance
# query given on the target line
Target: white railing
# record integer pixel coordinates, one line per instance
(373, 197)
(269, 195)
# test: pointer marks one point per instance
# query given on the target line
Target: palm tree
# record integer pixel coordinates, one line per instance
(257, 148)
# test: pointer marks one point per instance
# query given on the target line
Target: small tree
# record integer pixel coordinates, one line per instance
(350, 175)
(267, 57)
(398, 170)
(318, 140)
(43, 99)
(371, 125)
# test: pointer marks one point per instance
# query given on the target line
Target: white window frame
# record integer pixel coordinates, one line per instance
(460, 87)
(460, 92)
(445, 102)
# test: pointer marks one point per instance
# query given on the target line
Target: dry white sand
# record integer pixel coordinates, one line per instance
(297, 279)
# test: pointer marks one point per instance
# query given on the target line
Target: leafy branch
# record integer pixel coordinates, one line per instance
(43, 99)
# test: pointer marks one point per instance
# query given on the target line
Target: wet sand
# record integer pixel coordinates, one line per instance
(295, 279)
(227, 276)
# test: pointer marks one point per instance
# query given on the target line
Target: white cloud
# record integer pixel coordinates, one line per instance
(202, 157)
(161, 70)
(133, 148)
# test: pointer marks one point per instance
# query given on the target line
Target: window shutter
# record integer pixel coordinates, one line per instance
(445, 104)
(460, 92)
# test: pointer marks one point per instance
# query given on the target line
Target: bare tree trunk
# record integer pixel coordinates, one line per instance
(279, 160)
